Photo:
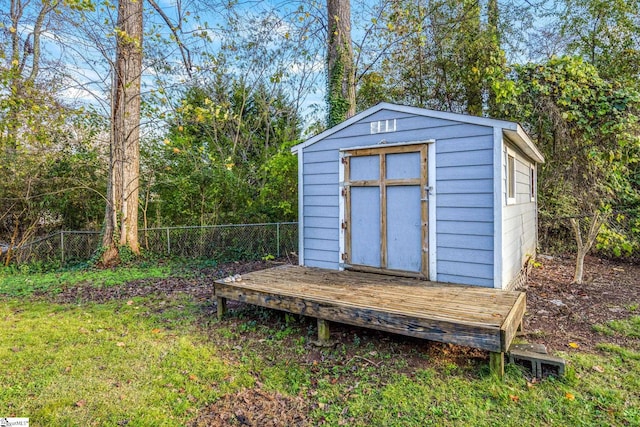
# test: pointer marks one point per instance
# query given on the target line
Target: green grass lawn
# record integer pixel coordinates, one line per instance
(162, 360)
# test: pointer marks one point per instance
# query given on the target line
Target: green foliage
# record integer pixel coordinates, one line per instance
(278, 199)
(338, 104)
(616, 244)
(55, 182)
(443, 55)
(587, 129)
(225, 158)
(604, 32)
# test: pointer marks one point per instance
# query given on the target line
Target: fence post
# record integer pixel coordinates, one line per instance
(278, 239)
(168, 243)
(62, 246)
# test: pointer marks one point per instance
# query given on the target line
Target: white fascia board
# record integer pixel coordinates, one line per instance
(447, 115)
(520, 138)
(337, 128)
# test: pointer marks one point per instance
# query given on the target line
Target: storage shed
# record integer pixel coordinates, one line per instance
(413, 192)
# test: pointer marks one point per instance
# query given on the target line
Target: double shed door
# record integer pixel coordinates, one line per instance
(385, 209)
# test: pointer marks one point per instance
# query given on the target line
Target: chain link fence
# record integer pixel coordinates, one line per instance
(236, 242)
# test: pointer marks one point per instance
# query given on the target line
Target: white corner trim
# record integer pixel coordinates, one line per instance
(341, 206)
(300, 208)
(431, 182)
(498, 191)
(513, 177)
(533, 194)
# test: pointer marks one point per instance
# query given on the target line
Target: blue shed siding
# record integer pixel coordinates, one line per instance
(464, 207)
(464, 176)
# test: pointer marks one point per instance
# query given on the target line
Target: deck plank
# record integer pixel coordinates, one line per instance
(484, 318)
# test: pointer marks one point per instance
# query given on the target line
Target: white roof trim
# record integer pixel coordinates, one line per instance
(395, 144)
(522, 140)
(515, 131)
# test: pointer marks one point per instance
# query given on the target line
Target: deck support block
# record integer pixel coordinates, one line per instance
(496, 364)
(323, 331)
(222, 307)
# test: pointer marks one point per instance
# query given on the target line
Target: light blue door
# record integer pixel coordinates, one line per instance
(404, 245)
(386, 209)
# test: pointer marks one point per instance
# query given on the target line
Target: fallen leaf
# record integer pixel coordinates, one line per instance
(574, 345)
(514, 398)
(530, 385)
(67, 369)
(569, 396)
(155, 331)
(598, 368)
(193, 377)
(130, 302)
(120, 344)
(81, 403)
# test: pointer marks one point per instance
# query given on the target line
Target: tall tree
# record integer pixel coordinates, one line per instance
(440, 54)
(121, 214)
(471, 46)
(341, 86)
(605, 34)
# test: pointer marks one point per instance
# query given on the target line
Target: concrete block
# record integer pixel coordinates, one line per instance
(540, 365)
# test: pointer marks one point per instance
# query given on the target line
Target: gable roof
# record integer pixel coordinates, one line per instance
(512, 130)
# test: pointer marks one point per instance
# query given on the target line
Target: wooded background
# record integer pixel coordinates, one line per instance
(208, 97)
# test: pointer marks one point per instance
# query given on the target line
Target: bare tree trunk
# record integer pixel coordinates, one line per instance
(472, 81)
(585, 245)
(493, 15)
(341, 85)
(122, 208)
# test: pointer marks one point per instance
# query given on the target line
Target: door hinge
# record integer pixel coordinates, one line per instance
(344, 225)
(345, 257)
(344, 191)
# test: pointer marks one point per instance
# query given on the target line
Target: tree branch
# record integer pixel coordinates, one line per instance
(186, 55)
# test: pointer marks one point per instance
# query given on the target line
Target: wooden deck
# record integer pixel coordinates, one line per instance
(476, 317)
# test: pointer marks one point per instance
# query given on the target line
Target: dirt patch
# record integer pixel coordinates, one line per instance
(254, 407)
(199, 286)
(560, 313)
